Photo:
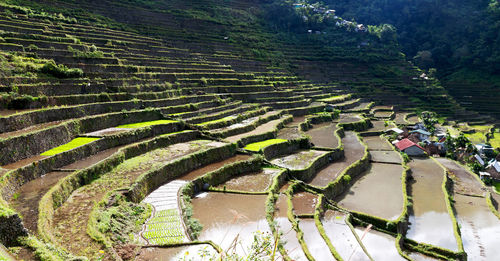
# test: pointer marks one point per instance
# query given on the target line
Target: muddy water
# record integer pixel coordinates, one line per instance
(289, 133)
(297, 120)
(315, 243)
(430, 222)
(382, 114)
(298, 160)
(89, 161)
(479, 227)
(32, 128)
(226, 217)
(382, 181)
(24, 162)
(385, 156)
(304, 203)
(289, 238)
(413, 119)
(496, 199)
(400, 118)
(211, 167)
(353, 151)
(348, 118)
(361, 106)
(464, 181)
(324, 135)
(341, 236)
(379, 245)
(251, 182)
(193, 252)
(266, 127)
(377, 143)
(29, 195)
(380, 126)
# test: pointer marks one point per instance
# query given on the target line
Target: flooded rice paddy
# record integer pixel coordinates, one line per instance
(226, 217)
(379, 245)
(315, 243)
(304, 203)
(341, 236)
(268, 126)
(386, 156)
(377, 143)
(382, 181)
(353, 151)
(299, 160)
(478, 225)
(429, 219)
(289, 133)
(323, 135)
(251, 182)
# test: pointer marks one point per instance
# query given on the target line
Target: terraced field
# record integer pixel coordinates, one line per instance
(156, 152)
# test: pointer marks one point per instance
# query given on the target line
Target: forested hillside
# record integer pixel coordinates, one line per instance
(459, 38)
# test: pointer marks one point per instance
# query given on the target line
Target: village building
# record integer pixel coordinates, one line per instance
(421, 134)
(411, 148)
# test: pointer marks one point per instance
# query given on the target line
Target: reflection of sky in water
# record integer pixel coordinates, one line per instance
(289, 237)
(225, 234)
(379, 245)
(480, 230)
(342, 238)
(315, 242)
(433, 228)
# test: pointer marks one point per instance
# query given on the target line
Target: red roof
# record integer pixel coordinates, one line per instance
(406, 143)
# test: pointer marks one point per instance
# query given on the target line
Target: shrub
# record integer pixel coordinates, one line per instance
(61, 71)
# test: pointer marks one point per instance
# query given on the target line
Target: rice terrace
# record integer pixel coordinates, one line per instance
(249, 130)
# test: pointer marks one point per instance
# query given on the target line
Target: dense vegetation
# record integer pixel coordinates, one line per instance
(448, 35)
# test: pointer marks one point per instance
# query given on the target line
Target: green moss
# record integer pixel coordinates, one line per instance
(257, 146)
(145, 124)
(69, 146)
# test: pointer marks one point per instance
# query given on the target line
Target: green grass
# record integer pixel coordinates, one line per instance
(495, 141)
(216, 121)
(257, 146)
(477, 137)
(497, 186)
(69, 146)
(145, 124)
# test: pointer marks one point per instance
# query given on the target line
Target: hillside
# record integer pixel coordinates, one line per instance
(458, 38)
(143, 130)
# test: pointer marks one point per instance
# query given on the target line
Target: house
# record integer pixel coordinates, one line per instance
(331, 11)
(398, 131)
(484, 150)
(419, 126)
(411, 148)
(494, 169)
(298, 5)
(479, 159)
(421, 134)
(484, 175)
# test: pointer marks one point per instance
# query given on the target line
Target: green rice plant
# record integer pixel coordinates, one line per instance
(78, 142)
(257, 146)
(145, 124)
